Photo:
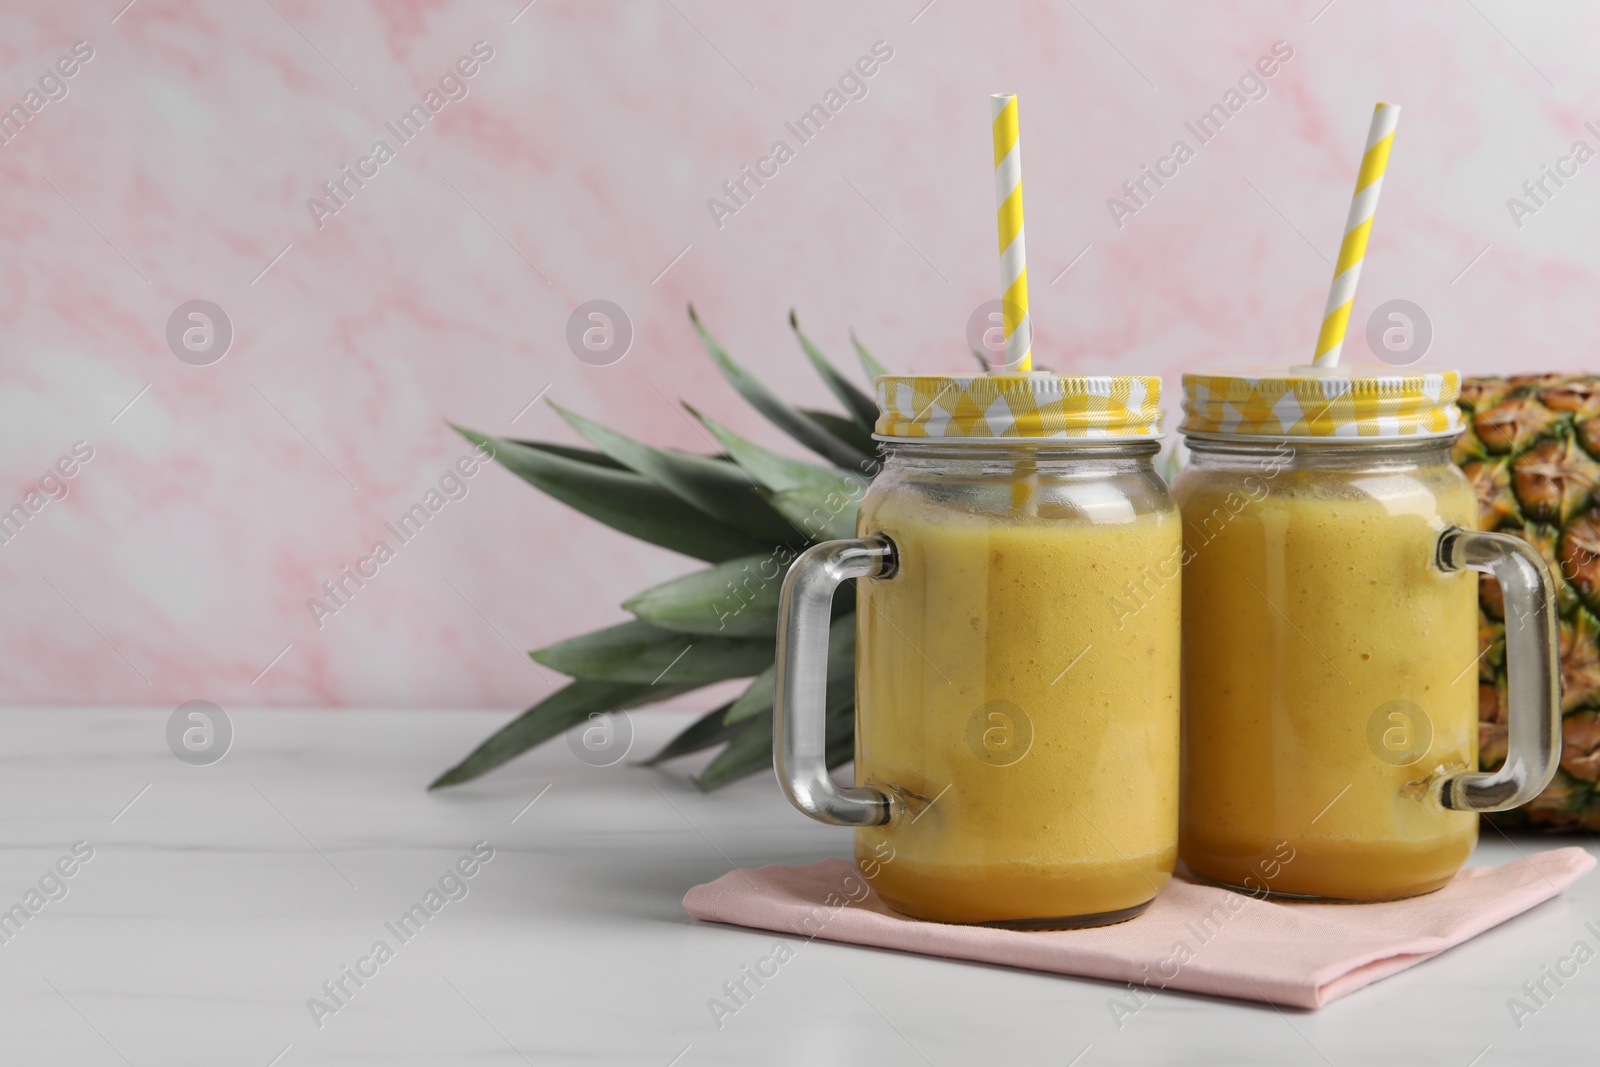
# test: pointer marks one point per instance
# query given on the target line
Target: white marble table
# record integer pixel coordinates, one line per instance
(221, 899)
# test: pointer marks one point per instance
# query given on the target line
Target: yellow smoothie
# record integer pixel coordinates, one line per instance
(1018, 686)
(1328, 678)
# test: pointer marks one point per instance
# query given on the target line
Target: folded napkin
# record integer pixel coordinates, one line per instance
(1193, 937)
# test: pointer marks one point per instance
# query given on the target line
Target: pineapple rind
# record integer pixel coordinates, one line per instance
(1532, 452)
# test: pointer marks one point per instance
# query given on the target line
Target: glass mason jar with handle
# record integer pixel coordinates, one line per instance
(1330, 627)
(1016, 692)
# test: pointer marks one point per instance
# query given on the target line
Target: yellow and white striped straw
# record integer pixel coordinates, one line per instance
(1357, 228)
(1013, 257)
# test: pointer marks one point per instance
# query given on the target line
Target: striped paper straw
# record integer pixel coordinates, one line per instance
(1013, 257)
(1357, 228)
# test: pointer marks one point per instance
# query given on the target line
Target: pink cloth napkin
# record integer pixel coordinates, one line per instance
(1194, 937)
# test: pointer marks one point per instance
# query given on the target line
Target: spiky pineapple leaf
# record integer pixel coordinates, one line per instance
(787, 418)
(589, 455)
(749, 752)
(639, 652)
(1168, 463)
(758, 698)
(861, 407)
(824, 516)
(738, 598)
(622, 500)
(847, 431)
(840, 739)
(715, 486)
(555, 714)
(872, 367)
(775, 470)
(701, 734)
(581, 455)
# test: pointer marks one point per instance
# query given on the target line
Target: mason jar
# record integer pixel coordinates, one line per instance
(1017, 654)
(1330, 629)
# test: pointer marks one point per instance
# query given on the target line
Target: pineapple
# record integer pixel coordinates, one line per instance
(748, 512)
(1532, 451)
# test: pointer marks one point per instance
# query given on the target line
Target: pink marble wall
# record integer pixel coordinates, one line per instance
(179, 162)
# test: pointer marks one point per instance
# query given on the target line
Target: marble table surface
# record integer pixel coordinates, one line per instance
(206, 906)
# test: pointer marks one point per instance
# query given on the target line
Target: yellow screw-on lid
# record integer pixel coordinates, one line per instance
(1308, 402)
(1018, 406)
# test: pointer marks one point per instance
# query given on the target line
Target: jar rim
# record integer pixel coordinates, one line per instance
(1352, 441)
(1041, 449)
(1021, 442)
(1198, 442)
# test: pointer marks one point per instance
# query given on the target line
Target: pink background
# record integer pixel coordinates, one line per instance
(180, 164)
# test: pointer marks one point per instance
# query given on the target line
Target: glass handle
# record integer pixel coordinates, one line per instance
(1532, 669)
(799, 711)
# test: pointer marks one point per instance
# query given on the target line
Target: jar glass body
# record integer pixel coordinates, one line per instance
(1329, 676)
(1017, 682)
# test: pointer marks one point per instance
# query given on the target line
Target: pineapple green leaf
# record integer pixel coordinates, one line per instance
(873, 368)
(749, 752)
(701, 734)
(840, 718)
(841, 747)
(622, 500)
(824, 516)
(581, 455)
(557, 713)
(589, 455)
(861, 406)
(716, 487)
(738, 598)
(773, 469)
(1168, 464)
(849, 432)
(788, 419)
(758, 698)
(639, 652)
(840, 740)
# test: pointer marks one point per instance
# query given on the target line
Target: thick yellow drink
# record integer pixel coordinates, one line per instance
(1018, 685)
(1329, 674)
